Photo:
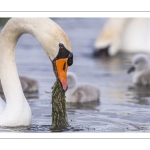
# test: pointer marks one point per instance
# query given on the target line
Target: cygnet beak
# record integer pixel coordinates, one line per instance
(131, 69)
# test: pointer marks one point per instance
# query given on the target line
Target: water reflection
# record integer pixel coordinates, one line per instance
(139, 94)
(83, 106)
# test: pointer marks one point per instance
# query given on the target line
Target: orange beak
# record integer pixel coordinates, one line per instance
(62, 67)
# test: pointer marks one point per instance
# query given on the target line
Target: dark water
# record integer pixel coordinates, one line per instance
(123, 107)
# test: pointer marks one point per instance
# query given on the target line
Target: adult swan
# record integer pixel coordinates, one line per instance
(16, 111)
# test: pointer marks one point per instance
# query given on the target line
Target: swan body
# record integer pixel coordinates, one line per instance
(80, 93)
(141, 68)
(129, 35)
(16, 111)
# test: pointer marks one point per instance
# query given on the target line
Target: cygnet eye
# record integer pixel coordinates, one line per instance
(136, 62)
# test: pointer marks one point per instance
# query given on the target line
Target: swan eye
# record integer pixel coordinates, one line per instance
(64, 66)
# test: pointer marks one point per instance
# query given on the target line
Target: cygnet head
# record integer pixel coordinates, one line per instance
(72, 80)
(140, 62)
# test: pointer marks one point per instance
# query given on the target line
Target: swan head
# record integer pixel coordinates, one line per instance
(63, 59)
(101, 52)
(140, 63)
(52, 38)
(105, 49)
(58, 48)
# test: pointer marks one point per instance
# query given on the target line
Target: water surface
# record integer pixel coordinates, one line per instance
(123, 107)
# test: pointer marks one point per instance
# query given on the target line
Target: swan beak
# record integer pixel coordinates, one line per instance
(62, 67)
(102, 52)
(131, 69)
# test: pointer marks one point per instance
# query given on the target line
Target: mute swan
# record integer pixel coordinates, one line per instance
(29, 85)
(129, 35)
(57, 47)
(81, 93)
(141, 67)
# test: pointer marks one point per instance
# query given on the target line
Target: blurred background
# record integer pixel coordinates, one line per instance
(3, 21)
(123, 107)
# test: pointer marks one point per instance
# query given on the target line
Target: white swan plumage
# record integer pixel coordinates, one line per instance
(16, 111)
(127, 35)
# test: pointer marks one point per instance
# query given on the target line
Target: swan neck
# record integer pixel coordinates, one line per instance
(49, 35)
(8, 70)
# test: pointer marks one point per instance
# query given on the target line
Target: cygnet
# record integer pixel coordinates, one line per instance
(80, 93)
(141, 68)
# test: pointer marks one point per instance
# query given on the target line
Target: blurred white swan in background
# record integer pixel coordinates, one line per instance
(16, 111)
(141, 68)
(129, 35)
(82, 92)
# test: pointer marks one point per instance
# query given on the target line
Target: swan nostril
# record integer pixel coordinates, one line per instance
(64, 67)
